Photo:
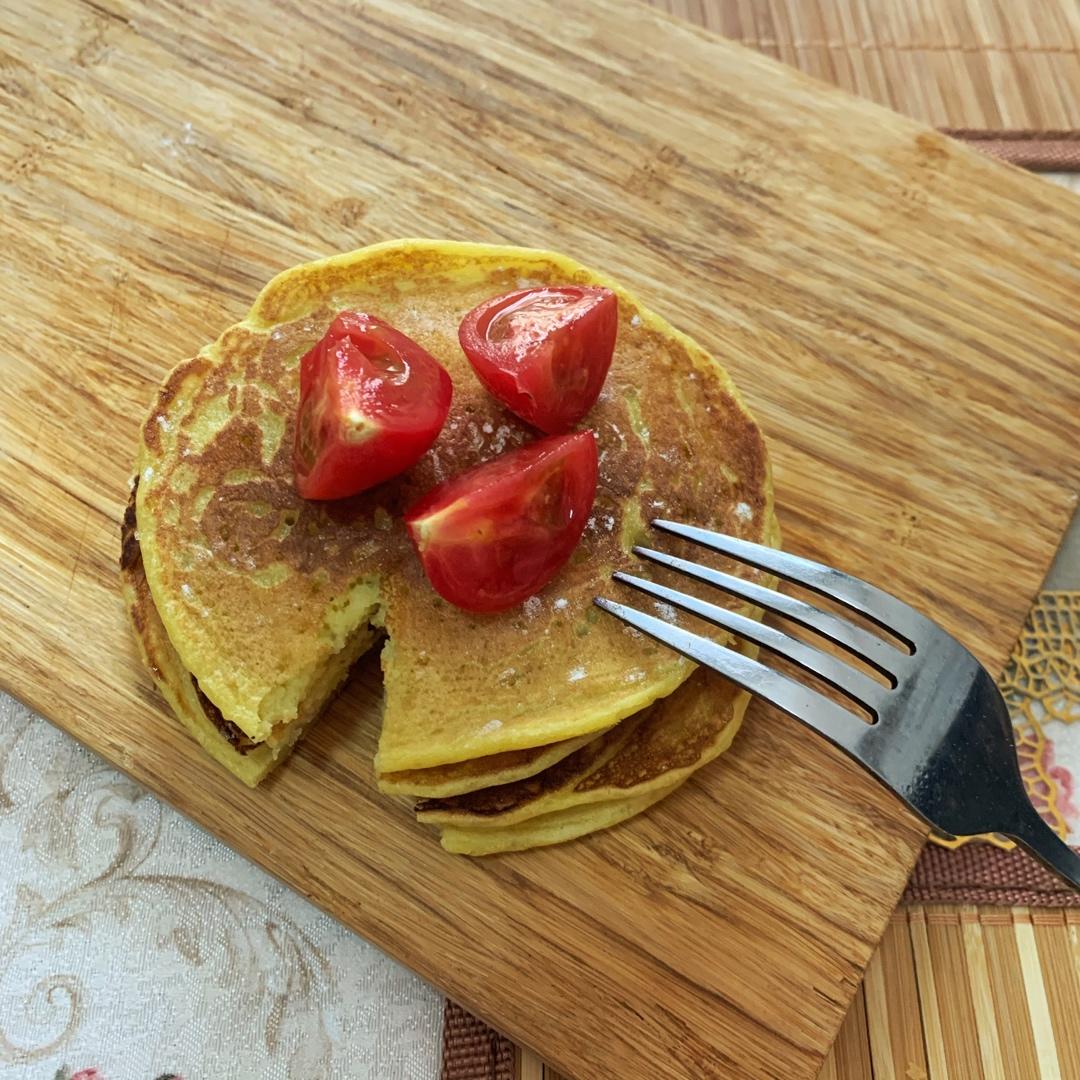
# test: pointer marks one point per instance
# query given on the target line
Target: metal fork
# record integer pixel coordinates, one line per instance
(941, 737)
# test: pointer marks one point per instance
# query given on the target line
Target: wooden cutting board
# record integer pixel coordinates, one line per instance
(900, 314)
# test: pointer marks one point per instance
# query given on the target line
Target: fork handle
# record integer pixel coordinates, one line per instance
(1037, 837)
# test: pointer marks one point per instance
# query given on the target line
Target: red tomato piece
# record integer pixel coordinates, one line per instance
(372, 402)
(495, 535)
(544, 353)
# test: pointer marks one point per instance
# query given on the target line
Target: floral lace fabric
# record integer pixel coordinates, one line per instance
(1042, 688)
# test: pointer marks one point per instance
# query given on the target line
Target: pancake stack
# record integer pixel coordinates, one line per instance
(516, 729)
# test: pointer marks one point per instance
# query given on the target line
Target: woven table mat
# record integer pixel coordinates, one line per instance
(996, 69)
(472, 1050)
(1047, 151)
(980, 874)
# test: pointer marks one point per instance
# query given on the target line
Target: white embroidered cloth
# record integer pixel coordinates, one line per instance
(135, 944)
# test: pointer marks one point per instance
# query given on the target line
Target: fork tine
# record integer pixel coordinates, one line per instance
(883, 608)
(815, 710)
(854, 683)
(874, 650)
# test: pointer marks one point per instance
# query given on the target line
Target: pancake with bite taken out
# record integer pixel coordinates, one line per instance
(265, 598)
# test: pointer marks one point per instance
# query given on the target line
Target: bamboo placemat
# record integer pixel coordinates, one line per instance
(957, 993)
(967, 992)
(980, 66)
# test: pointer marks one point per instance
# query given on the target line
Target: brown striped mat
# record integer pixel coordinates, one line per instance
(472, 1050)
(1041, 151)
(980, 874)
(966, 994)
(999, 68)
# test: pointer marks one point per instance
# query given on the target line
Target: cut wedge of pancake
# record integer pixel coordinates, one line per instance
(264, 596)
(227, 745)
(223, 741)
(647, 755)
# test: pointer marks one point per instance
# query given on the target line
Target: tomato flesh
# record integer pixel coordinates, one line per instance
(372, 402)
(496, 534)
(544, 353)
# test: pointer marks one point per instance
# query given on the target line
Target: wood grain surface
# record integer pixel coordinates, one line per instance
(976, 65)
(899, 313)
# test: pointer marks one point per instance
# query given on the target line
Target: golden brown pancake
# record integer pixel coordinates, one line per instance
(650, 753)
(223, 741)
(261, 593)
(251, 761)
(569, 823)
(479, 773)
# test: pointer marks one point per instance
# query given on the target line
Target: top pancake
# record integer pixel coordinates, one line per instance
(258, 589)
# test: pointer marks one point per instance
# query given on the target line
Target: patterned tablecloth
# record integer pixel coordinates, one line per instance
(134, 946)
